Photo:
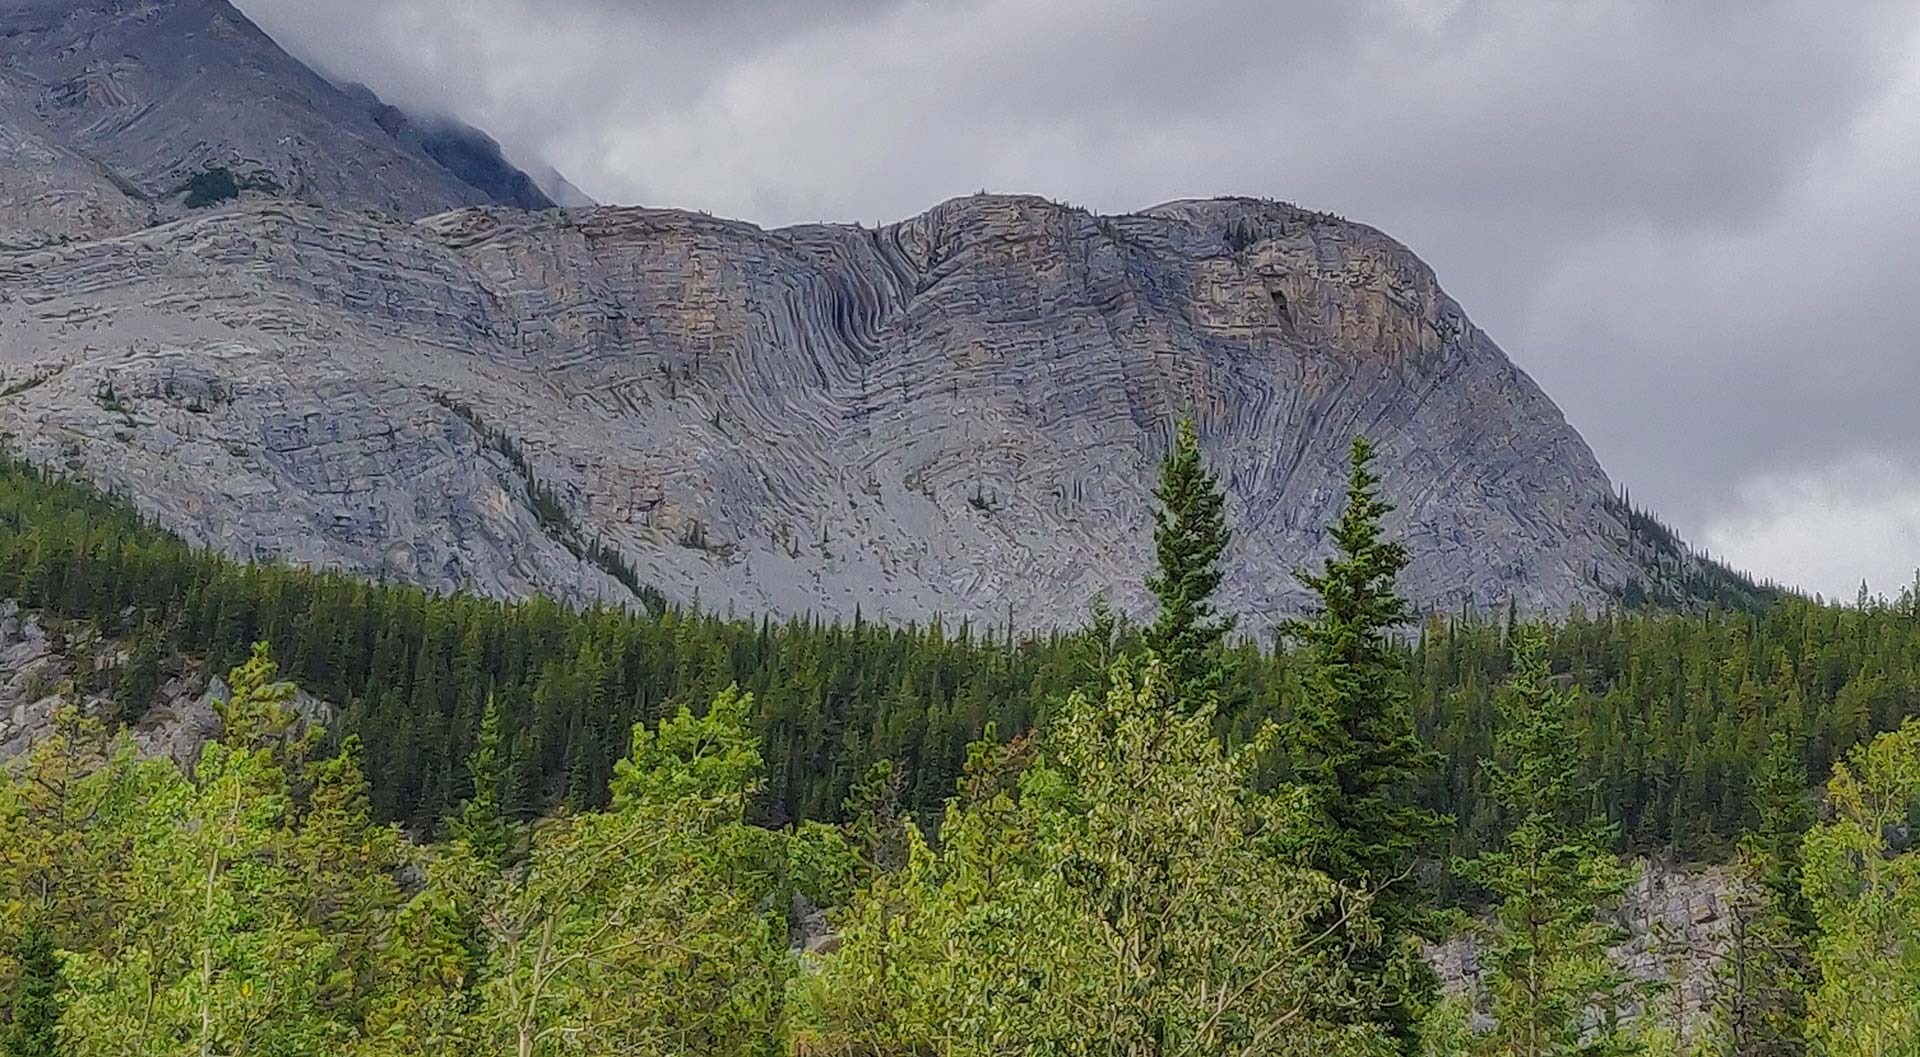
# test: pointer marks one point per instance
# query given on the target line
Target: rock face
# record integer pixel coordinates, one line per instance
(30, 675)
(213, 301)
(1677, 924)
(959, 414)
(38, 669)
(109, 109)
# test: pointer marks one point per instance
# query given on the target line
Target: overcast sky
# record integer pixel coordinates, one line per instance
(1696, 223)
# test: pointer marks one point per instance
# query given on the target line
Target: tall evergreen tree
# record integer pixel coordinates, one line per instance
(482, 821)
(1785, 808)
(1768, 968)
(1356, 752)
(347, 866)
(1556, 991)
(1189, 536)
(34, 1031)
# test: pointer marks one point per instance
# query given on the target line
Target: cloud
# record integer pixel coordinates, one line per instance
(1690, 221)
(1856, 520)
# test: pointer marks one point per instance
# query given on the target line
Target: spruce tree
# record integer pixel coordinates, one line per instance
(347, 865)
(1785, 808)
(36, 996)
(1189, 536)
(138, 678)
(1768, 969)
(1356, 754)
(1556, 990)
(482, 820)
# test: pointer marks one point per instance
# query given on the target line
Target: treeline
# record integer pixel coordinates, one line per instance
(1672, 710)
(1673, 713)
(411, 671)
(1122, 881)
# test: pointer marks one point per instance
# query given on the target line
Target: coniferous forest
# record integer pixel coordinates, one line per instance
(534, 830)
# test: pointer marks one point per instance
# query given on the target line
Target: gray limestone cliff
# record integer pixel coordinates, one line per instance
(958, 414)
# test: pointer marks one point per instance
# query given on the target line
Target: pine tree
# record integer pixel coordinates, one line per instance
(1555, 988)
(138, 679)
(1356, 752)
(1189, 536)
(34, 1031)
(1786, 814)
(482, 821)
(1768, 969)
(347, 865)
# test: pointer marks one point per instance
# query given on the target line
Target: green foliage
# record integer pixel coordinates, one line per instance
(1189, 536)
(1864, 890)
(482, 822)
(211, 187)
(1767, 971)
(137, 680)
(253, 905)
(347, 866)
(423, 1001)
(34, 1031)
(1129, 893)
(1556, 992)
(1673, 712)
(1142, 867)
(412, 671)
(47, 857)
(1356, 753)
(875, 819)
(1785, 807)
(217, 952)
(641, 929)
(1675, 575)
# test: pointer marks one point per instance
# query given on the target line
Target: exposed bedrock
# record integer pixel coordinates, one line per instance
(959, 414)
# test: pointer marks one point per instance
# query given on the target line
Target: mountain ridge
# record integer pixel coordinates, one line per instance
(281, 316)
(957, 414)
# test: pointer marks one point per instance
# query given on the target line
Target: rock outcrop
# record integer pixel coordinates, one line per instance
(1677, 926)
(40, 666)
(960, 414)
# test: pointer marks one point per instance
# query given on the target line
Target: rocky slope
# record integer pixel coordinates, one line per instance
(47, 665)
(1676, 927)
(957, 414)
(109, 109)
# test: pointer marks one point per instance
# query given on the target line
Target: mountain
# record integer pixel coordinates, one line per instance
(219, 298)
(958, 414)
(469, 154)
(117, 113)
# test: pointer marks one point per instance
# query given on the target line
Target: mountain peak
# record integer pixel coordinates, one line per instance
(960, 413)
(118, 113)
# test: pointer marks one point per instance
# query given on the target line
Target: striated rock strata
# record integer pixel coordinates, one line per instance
(958, 414)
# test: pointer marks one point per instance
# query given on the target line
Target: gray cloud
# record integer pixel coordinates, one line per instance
(1692, 222)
